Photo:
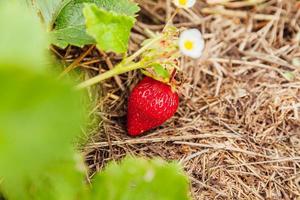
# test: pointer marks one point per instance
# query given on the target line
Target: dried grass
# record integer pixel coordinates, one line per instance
(237, 131)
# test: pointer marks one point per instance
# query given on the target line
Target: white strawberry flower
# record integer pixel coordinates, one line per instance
(191, 43)
(184, 3)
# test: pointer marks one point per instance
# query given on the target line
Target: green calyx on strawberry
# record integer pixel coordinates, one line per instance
(150, 104)
(163, 56)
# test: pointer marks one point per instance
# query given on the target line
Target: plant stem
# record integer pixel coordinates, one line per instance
(169, 22)
(125, 66)
(119, 69)
(141, 50)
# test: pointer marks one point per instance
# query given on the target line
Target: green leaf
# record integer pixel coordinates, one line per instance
(71, 17)
(75, 35)
(49, 10)
(23, 41)
(39, 118)
(64, 180)
(136, 179)
(161, 71)
(110, 30)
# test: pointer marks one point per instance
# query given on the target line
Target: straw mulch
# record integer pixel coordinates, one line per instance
(237, 131)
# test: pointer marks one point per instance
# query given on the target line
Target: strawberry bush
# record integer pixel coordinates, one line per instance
(41, 116)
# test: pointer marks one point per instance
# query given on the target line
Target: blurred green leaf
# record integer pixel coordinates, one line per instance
(136, 179)
(39, 118)
(110, 30)
(64, 180)
(22, 39)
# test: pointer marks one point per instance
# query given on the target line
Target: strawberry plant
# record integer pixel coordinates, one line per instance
(41, 116)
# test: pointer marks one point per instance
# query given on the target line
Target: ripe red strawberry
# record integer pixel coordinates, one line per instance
(150, 104)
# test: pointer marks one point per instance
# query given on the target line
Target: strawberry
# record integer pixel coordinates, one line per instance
(150, 104)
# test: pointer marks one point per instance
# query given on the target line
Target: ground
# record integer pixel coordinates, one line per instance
(237, 130)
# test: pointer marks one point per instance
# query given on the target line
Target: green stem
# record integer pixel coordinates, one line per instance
(126, 66)
(169, 22)
(143, 49)
(119, 69)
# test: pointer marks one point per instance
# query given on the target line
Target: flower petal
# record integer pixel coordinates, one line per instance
(191, 43)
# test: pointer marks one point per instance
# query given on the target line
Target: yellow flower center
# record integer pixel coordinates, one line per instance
(188, 45)
(182, 2)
